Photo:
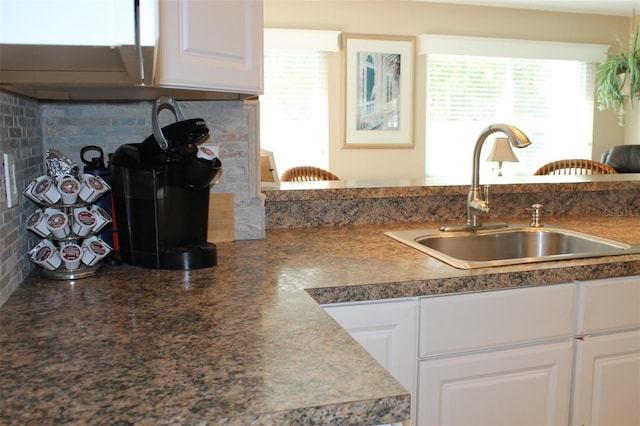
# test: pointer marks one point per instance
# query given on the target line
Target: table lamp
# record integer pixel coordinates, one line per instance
(502, 152)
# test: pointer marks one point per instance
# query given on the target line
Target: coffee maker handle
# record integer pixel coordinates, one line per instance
(164, 102)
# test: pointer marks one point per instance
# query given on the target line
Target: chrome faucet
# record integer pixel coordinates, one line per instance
(478, 199)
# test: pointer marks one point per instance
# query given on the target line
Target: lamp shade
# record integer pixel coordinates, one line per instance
(502, 151)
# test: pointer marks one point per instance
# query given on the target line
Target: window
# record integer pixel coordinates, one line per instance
(294, 121)
(294, 112)
(549, 99)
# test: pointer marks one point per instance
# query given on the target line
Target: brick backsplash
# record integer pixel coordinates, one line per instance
(20, 135)
(29, 128)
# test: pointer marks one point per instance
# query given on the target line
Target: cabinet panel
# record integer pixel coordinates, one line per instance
(388, 331)
(524, 386)
(213, 45)
(464, 322)
(608, 304)
(607, 389)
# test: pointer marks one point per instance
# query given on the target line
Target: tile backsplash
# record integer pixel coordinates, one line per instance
(29, 128)
(20, 135)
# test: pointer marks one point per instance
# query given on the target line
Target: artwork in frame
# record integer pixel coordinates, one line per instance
(377, 87)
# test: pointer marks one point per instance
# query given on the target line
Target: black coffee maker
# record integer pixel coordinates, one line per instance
(160, 190)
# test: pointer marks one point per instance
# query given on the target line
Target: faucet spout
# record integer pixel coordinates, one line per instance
(516, 137)
(478, 199)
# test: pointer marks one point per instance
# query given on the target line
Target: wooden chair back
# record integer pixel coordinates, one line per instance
(306, 174)
(575, 167)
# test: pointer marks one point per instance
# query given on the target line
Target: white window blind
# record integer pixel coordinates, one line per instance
(551, 100)
(294, 117)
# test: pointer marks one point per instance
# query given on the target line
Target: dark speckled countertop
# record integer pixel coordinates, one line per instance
(244, 342)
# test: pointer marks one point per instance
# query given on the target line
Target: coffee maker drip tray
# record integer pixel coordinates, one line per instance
(192, 256)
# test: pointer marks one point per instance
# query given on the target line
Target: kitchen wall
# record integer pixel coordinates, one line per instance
(412, 18)
(29, 128)
(632, 127)
(20, 135)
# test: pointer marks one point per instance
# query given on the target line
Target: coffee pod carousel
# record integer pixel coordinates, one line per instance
(67, 220)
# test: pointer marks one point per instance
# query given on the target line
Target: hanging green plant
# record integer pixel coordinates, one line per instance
(618, 79)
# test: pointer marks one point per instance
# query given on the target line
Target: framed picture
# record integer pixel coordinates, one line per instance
(377, 87)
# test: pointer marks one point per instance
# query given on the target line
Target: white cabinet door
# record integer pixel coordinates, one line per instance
(511, 387)
(211, 45)
(607, 389)
(388, 331)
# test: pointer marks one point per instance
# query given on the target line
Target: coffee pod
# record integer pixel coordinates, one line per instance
(58, 224)
(64, 242)
(92, 187)
(45, 190)
(37, 223)
(71, 255)
(89, 240)
(69, 188)
(51, 211)
(28, 191)
(83, 221)
(205, 153)
(94, 251)
(45, 255)
(102, 217)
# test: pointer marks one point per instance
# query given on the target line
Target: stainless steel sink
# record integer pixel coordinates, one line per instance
(509, 246)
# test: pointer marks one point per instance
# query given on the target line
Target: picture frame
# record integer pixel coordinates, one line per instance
(378, 91)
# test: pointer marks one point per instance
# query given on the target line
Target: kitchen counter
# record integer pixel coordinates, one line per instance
(244, 342)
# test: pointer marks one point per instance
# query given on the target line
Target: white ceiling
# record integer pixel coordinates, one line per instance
(598, 7)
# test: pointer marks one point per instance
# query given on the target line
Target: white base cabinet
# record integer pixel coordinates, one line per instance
(522, 386)
(544, 355)
(607, 357)
(607, 390)
(387, 330)
(497, 358)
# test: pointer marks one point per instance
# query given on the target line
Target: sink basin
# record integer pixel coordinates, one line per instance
(509, 246)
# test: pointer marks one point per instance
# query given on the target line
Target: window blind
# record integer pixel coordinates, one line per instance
(294, 108)
(551, 100)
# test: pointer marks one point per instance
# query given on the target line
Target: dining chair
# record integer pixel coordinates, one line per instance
(575, 167)
(306, 174)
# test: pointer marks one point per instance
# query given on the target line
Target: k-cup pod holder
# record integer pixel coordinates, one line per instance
(67, 222)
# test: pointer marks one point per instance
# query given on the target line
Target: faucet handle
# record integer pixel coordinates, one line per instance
(536, 215)
(486, 194)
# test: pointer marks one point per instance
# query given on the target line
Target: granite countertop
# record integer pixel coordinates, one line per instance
(246, 341)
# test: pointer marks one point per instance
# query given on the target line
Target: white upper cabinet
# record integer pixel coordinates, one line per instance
(211, 45)
(86, 49)
(76, 22)
(74, 44)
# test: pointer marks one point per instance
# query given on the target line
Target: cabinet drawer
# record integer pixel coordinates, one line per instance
(464, 322)
(608, 304)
